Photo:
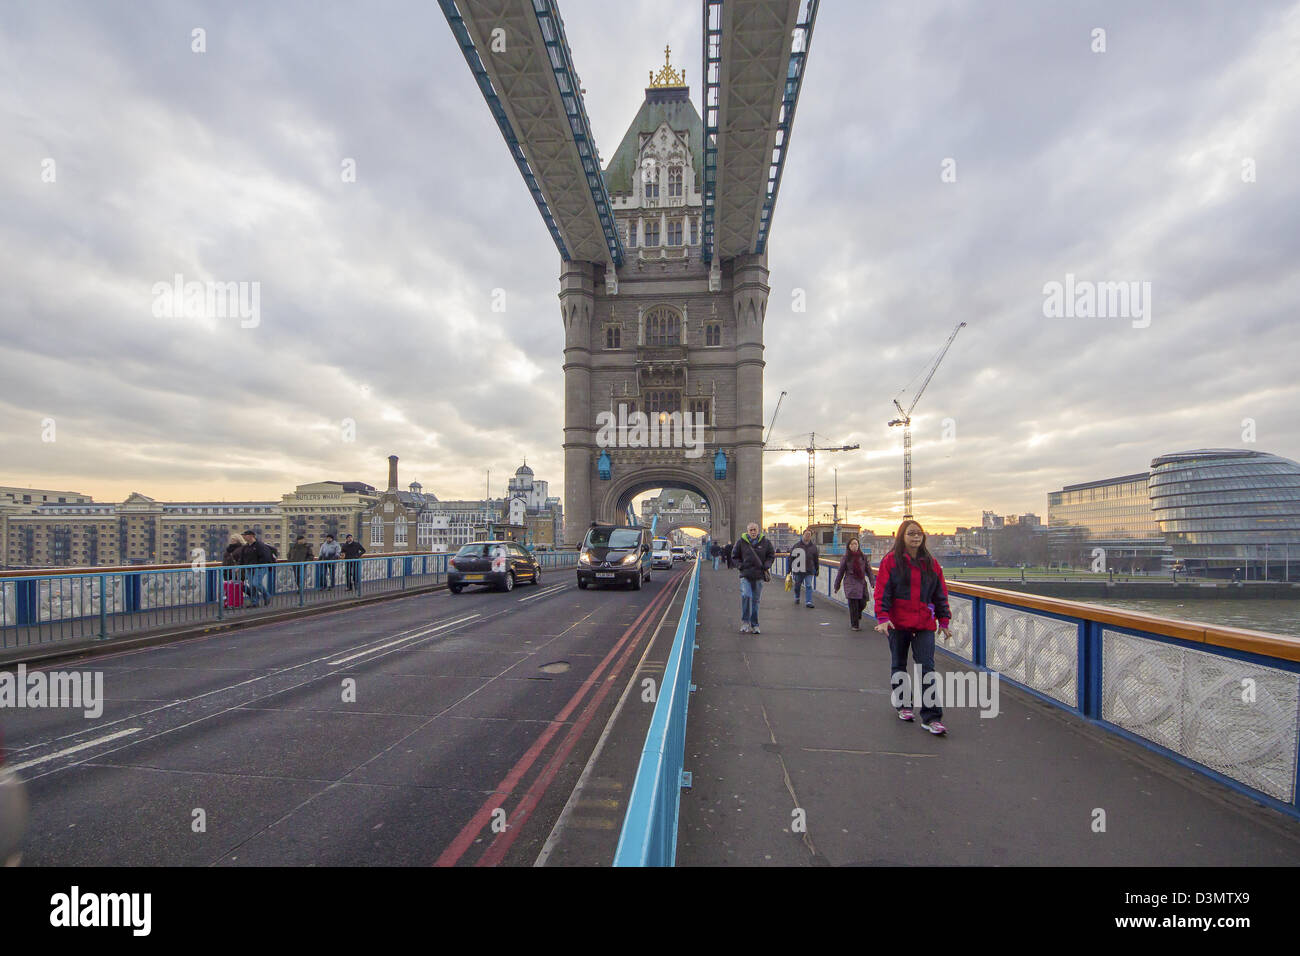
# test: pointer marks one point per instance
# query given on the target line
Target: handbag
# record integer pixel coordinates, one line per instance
(789, 582)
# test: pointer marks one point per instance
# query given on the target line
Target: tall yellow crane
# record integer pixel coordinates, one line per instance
(905, 420)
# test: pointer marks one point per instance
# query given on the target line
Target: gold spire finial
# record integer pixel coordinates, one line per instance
(667, 76)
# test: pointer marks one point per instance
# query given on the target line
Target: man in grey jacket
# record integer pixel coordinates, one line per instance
(805, 567)
(329, 553)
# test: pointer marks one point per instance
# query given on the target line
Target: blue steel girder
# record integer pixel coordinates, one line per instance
(789, 100)
(458, 28)
(755, 54)
(520, 58)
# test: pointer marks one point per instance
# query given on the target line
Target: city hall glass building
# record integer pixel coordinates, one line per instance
(1114, 514)
(1224, 509)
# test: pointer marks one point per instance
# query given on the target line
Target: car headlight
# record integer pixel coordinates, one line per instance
(584, 558)
(630, 559)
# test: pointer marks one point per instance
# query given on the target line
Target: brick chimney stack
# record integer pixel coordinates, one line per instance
(392, 472)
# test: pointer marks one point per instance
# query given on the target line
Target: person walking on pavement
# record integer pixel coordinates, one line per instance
(855, 574)
(299, 552)
(329, 553)
(256, 554)
(805, 566)
(352, 551)
(755, 554)
(715, 552)
(911, 598)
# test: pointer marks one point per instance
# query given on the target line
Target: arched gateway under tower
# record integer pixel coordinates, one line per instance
(666, 337)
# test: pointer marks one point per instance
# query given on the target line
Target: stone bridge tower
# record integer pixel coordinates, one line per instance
(665, 335)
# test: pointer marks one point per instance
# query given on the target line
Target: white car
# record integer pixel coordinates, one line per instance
(679, 553)
(661, 558)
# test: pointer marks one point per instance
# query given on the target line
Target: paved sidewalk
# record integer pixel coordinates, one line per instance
(798, 718)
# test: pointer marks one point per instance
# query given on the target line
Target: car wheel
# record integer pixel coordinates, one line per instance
(455, 588)
(636, 582)
(582, 584)
(509, 583)
(537, 575)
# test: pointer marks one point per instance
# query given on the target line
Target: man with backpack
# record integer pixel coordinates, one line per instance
(257, 553)
(755, 554)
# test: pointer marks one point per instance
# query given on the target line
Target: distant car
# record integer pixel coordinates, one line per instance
(13, 815)
(613, 554)
(500, 564)
(679, 553)
(661, 557)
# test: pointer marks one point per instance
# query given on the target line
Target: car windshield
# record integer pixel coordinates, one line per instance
(613, 538)
(481, 551)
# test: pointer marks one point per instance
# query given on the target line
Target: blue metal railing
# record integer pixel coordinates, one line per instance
(37, 610)
(1222, 701)
(649, 836)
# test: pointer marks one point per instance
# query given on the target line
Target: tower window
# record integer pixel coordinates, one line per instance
(652, 232)
(663, 327)
(675, 182)
(631, 233)
(674, 232)
(613, 337)
(663, 401)
(713, 335)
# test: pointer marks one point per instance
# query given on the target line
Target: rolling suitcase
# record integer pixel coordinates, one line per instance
(234, 594)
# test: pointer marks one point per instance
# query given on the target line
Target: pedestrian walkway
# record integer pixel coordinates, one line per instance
(798, 758)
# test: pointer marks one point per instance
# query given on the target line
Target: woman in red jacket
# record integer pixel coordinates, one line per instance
(911, 598)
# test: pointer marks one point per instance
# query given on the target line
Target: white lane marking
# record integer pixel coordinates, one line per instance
(401, 640)
(544, 593)
(72, 750)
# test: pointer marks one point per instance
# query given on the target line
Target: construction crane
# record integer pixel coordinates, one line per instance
(774, 414)
(812, 449)
(905, 420)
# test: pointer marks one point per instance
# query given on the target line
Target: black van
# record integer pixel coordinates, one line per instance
(614, 554)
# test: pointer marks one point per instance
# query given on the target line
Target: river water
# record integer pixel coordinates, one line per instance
(1276, 616)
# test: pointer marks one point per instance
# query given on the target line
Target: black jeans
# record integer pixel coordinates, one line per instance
(922, 646)
(855, 610)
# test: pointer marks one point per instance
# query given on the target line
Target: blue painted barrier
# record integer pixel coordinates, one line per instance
(649, 836)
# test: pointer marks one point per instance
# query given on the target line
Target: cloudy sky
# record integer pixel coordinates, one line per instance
(128, 158)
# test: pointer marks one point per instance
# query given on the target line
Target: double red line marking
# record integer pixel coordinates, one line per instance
(496, 851)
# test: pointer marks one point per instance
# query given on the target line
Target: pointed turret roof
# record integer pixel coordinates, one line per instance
(671, 105)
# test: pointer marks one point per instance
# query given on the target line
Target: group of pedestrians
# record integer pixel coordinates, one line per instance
(253, 557)
(720, 553)
(910, 601)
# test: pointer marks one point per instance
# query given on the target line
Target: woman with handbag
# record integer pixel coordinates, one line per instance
(855, 574)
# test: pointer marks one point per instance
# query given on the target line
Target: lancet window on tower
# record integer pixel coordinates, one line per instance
(663, 327)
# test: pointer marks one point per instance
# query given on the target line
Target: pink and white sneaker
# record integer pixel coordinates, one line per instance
(905, 713)
(935, 728)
